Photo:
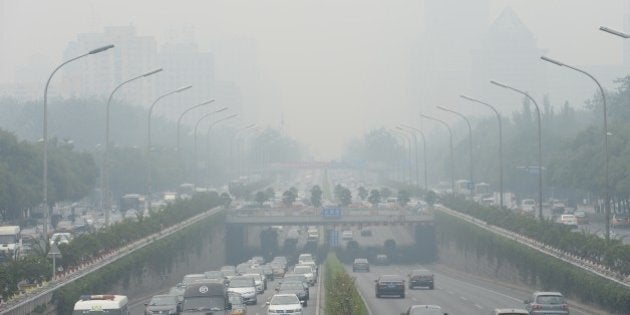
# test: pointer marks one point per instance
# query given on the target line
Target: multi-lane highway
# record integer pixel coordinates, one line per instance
(456, 293)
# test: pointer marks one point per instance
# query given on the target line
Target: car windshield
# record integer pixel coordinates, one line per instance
(241, 283)
(162, 300)
(214, 275)
(284, 300)
(426, 311)
(550, 299)
(204, 303)
(176, 291)
(303, 270)
(235, 300)
(291, 286)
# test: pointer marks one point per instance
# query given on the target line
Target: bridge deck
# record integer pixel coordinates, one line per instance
(292, 217)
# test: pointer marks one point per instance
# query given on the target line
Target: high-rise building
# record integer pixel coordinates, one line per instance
(453, 29)
(508, 54)
(99, 74)
(3, 30)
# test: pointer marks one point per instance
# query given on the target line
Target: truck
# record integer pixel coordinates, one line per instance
(205, 297)
(10, 242)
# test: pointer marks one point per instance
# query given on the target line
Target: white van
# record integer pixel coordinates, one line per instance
(10, 241)
(102, 304)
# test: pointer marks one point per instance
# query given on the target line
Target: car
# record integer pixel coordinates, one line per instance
(284, 304)
(305, 258)
(296, 288)
(421, 278)
(246, 287)
(162, 304)
(569, 220)
(258, 281)
(547, 303)
(360, 264)
(346, 235)
(308, 273)
(581, 217)
(236, 304)
(510, 311)
(215, 274)
(178, 291)
(388, 285)
(424, 310)
(381, 260)
(193, 277)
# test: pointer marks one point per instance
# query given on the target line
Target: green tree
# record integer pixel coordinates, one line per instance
(385, 193)
(226, 200)
(288, 198)
(261, 197)
(345, 197)
(375, 197)
(430, 197)
(316, 196)
(270, 193)
(363, 193)
(403, 197)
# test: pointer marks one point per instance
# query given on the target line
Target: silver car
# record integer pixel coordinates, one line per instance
(547, 303)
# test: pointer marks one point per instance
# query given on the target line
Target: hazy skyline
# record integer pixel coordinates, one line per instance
(331, 69)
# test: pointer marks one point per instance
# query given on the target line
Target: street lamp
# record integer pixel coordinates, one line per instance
(195, 132)
(606, 158)
(470, 142)
(614, 32)
(105, 198)
(210, 128)
(450, 133)
(409, 155)
(500, 143)
(234, 139)
(540, 167)
(415, 144)
(179, 121)
(424, 152)
(149, 180)
(45, 136)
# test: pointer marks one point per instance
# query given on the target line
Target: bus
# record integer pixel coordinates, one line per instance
(102, 304)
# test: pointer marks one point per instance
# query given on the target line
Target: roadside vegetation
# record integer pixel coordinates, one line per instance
(342, 297)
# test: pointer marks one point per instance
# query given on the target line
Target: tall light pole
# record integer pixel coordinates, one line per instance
(424, 152)
(606, 158)
(496, 112)
(210, 128)
(179, 121)
(195, 158)
(450, 133)
(415, 145)
(409, 154)
(105, 197)
(45, 136)
(149, 180)
(540, 167)
(234, 139)
(470, 145)
(614, 32)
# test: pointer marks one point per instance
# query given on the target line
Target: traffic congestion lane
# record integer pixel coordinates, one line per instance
(137, 306)
(455, 295)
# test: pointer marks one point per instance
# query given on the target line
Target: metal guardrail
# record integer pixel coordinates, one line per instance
(26, 303)
(574, 260)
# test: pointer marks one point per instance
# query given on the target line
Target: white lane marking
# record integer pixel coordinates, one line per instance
(463, 298)
(482, 288)
(451, 292)
(319, 290)
(478, 306)
(414, 299)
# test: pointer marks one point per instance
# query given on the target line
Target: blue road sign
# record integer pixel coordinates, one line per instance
(331, 212)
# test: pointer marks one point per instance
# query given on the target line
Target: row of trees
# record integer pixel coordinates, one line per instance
(573, 157)
(72, 174)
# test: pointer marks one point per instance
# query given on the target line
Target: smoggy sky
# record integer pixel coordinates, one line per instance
(331, 68)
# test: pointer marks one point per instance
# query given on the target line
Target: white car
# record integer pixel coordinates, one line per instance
(284, 304)
(258, 281)
(308, 273)
(568, 219)
(346, 235)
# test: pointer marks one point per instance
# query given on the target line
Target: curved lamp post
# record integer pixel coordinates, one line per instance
(210, 128)
(105, 198)
(540, 167)
(406, 140)
(450, 133)
(45, 136)
(415, 145)
(614, 32)
(424, 151)
(149, 180)
(179, 121)
(234, 137)
(470, 144)
(195, 132)
(606, 155)
(496, 112)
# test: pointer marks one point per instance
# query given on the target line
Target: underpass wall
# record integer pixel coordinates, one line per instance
(155, 268)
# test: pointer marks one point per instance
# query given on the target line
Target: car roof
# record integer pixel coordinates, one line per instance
(360, 260)
(421, 271)
(426, 306)
(510, 311)
(547, 293)
(391, 277)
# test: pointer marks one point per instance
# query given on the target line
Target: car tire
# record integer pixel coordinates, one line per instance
(378, 295)
(402, 296)
(305, 304)
(431, 287)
